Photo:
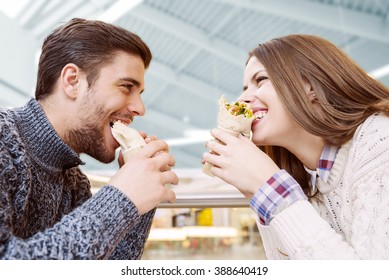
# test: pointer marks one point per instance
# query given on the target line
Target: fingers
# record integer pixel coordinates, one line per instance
(121, 159)
(148, 138)
(170, 196)
(144, 135)
(215, 147)
(216, 171)
(222, 135)
(213, 159)
(244, 138)
(166, 161)
(222, 139)
(169, 177)
(154, 147)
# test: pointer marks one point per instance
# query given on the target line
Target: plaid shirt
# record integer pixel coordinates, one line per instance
(281, 190)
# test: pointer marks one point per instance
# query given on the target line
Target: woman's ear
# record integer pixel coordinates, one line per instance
(312, 96)
(310, 91)
(70, 79)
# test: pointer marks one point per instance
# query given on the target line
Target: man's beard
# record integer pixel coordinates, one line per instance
(89, 140)
(88, 136)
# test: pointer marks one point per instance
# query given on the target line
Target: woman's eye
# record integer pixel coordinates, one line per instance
(260, 79)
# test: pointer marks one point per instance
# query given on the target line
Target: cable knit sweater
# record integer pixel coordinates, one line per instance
(46, 207)
(350, 217)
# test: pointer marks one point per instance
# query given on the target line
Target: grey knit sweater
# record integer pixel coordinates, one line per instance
(46, 207)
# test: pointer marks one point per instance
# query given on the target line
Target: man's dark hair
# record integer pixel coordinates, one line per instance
(90, 44)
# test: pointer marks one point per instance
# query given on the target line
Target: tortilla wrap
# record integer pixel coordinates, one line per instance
(129, 139)
(235, 122)
(235, 118)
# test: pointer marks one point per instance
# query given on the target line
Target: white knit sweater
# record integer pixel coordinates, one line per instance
(350, 218)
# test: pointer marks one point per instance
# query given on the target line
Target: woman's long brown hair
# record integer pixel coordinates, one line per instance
(346, 94)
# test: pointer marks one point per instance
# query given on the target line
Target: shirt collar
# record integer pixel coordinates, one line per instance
(326, 161)
(324, 166)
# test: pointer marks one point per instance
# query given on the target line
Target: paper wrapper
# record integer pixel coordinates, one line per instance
(234, 125)
(129, 139)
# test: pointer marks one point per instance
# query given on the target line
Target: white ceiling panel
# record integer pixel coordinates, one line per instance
(199, 51)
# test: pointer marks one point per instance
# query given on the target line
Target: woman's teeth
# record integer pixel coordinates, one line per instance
(260, 115)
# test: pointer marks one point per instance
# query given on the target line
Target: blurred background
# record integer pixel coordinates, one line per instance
(199, 51)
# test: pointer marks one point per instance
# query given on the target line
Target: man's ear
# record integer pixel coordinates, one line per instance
(70, 80)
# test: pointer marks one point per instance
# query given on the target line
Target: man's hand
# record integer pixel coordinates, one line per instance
(144, 177)
(148, 139)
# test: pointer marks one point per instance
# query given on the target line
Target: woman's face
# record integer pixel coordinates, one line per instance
(273, 125)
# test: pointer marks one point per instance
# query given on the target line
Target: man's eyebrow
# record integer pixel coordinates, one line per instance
(131, 80)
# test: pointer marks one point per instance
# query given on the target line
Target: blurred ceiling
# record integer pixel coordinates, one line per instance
(199, 51)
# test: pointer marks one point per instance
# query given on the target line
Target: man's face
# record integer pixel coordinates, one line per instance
(115, 95)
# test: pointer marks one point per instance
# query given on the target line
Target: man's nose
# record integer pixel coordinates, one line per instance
(136, 106)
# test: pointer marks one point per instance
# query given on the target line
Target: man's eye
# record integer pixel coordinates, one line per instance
(128, 86)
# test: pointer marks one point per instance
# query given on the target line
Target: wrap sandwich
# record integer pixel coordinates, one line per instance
(235, 118)
(129, 139)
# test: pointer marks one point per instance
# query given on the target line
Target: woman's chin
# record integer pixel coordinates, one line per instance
(259, 140)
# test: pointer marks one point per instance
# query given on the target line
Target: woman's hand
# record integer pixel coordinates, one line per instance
(237, 161)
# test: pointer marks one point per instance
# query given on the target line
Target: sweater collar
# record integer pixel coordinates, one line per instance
(41, 140)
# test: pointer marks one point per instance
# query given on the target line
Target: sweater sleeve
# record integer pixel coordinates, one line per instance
(302, 234)
(132, 245)
(91, 231)
(305, 235)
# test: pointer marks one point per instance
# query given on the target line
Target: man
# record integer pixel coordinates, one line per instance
(90, 75)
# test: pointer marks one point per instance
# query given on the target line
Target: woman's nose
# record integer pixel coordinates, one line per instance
(246, 97)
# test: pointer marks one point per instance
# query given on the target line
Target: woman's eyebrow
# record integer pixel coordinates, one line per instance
(258, 72)
(253, 77)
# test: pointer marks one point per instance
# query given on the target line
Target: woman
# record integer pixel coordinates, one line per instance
(320, 180)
